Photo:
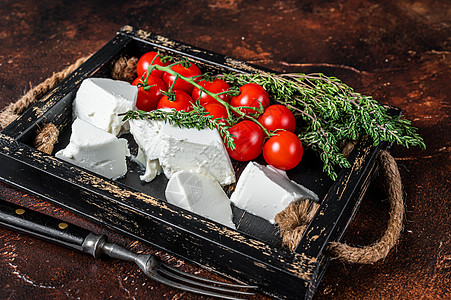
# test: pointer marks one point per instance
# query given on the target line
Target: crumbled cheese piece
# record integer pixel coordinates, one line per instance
(96, 150)
(152, 166)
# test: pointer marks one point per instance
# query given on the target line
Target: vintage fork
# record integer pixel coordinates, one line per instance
(50, 229)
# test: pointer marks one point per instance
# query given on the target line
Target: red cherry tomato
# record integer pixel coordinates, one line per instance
(215, 86)
(218, 111)
(278, 117)
(283, 150)
(181, 84)
(248, 139)
(148, 100)
(182, 101)
(144, 63)
(251, 95)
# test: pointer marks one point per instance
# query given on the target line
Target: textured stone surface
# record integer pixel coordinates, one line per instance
(396, 51)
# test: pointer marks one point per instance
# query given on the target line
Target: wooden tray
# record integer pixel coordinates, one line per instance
(252, 253)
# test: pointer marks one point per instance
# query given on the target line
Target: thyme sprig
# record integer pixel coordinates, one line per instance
(197, 118)
(329, 112)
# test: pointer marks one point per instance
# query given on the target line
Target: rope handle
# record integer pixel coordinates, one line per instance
(13, 110)
(294, 219)
(379, 250)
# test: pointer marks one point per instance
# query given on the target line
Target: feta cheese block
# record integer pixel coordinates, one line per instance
(99, 101)
(200, 194)
(264, 191)
(184, 149)
(96, 150)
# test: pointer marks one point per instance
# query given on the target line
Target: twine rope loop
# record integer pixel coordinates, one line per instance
(380, 249)
(294, 219)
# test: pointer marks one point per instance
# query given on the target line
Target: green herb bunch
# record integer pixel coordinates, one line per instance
(328, 112)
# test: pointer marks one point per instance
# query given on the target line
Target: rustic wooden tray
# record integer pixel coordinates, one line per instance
(252, 253)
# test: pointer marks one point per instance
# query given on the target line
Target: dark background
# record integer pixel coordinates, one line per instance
(396, 51)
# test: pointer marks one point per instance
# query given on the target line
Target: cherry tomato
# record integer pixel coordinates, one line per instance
(278, 117)
(215, 86)
(148, 100)
(248, 139)
(182, 101)
(217, 110)
(144, 63)
(180, 84)
(251, 95)
(283, 150)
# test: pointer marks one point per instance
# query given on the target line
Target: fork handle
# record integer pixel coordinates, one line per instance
(45, 227)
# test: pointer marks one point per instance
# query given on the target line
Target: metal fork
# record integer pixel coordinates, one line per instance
(47, 228)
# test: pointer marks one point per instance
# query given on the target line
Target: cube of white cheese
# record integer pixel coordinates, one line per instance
(187, 149)
(200, 194)
(264, 191)
(96, 150)
(99, 101)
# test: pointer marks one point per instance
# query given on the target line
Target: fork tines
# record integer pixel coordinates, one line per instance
(196, 284)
